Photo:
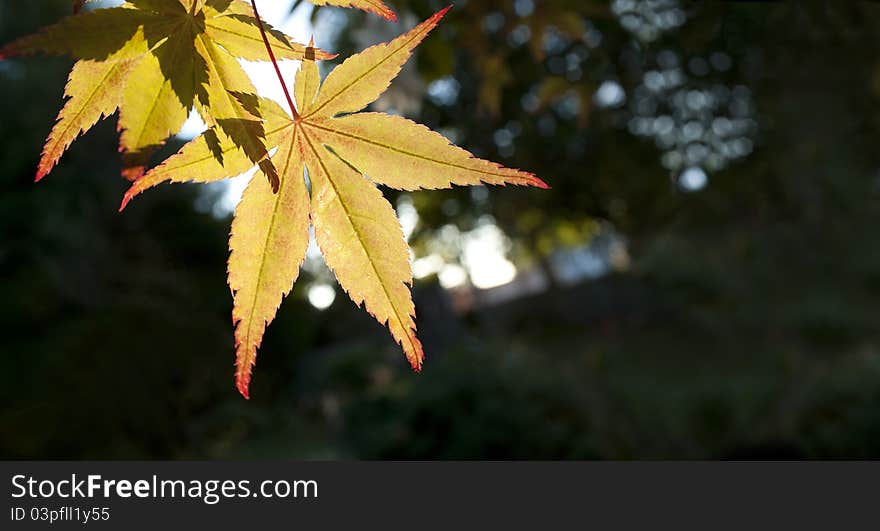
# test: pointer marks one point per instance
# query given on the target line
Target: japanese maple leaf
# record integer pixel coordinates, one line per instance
(346, 153)
(154, 60)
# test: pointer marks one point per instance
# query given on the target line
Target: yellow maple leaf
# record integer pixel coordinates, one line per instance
(345, 155)
(154, 60)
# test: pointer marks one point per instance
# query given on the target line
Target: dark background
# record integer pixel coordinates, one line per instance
(655, 316)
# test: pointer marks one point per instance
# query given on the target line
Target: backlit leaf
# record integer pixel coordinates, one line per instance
(363, 244)
(94, 91)
(391, 150)
(270, 235)
(362, 78)
(192, 48)
(346, 157)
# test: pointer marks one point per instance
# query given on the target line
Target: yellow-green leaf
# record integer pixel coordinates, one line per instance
(212, 156)
(346, 157)
(363, 244)
(193, 45)
(308, 80)
(193, 6)
(151, 109)
(268, 242)
(96, 35)
(405, 155)
(362, 78)
(236, 34)
(224, 104)
(94, 89)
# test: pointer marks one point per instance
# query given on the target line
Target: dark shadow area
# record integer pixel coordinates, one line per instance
(701, 282)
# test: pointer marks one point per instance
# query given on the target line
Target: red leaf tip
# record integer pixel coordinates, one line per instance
(539, 183)
(418, 357)
(242, 385)
(384, 11)
(43, 169)
(440, 14)
(243, 370)
(129, 195)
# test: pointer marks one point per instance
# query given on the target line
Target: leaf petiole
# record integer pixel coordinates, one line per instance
(293, 110)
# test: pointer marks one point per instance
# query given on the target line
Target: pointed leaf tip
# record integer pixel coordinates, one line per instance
(267, 243)
(538, 183)
(362, 78)
(126, 199)
(243, 372)
(440, 14)
(243, 384)
(417, 358)
(388, 14)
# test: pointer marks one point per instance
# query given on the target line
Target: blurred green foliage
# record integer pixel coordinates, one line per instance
(746, 326)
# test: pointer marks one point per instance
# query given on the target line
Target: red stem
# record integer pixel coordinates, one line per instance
(274, 61)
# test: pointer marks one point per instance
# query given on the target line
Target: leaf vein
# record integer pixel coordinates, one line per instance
(357, 79)
(405, 152)
(370, 259)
